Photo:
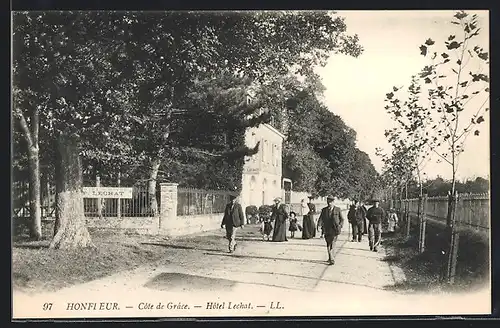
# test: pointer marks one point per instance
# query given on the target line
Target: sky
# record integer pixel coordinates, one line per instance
(356, 87)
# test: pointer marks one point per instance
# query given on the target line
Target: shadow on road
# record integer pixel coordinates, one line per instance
(311, 278)
(182, 247)
(249, 239)
(356, 255)
(304, 244)
(268, 258)
(172, 281)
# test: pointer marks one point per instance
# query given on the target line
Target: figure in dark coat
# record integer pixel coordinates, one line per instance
(375, 215)
(365, 221)
(293, 224)
(357, 219)
(332, 220)
(232, 220)
(279, 215)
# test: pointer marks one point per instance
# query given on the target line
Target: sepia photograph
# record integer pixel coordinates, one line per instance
(253, 163)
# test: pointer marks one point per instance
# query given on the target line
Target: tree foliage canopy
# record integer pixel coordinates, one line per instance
(320, 153)
(118, 80)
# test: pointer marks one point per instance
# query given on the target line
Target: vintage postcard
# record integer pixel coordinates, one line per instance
(250, 163)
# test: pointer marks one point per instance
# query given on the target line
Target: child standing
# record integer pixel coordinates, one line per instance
(293, 224)
(266, 228)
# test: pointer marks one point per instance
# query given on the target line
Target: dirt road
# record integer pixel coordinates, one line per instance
(204, 280)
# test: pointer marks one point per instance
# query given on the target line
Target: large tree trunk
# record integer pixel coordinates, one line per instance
(70, 229)
(35, 197)
(31, 137)
(153, 175)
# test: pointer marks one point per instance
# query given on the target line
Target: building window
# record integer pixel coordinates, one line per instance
(275, 159)
(263, 147)
(274, 155)
(251, 195)
(265, 153)
(252, 144)
(278, 157)
(268, 152)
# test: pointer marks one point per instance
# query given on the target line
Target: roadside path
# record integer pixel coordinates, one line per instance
(294, 273)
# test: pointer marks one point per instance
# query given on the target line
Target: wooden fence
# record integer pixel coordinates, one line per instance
(468, 212)
(471, 210)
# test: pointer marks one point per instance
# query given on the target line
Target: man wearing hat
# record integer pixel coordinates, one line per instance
(332, 220)
(232, 220)
(375, 215)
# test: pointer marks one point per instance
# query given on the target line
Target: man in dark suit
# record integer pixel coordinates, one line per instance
(375, 215)
(332, 220)
(232, 220)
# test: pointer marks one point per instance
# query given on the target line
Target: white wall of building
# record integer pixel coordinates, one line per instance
(262, 172)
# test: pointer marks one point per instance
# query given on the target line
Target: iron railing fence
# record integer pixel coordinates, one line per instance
(198, 201)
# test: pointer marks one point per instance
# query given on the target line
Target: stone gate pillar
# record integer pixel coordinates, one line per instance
(168, 205)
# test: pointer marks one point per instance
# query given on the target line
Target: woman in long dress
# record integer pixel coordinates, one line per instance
(393, 220)
(309, 226)
(279, 215)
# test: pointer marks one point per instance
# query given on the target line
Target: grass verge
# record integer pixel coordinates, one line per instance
(423, 271)
(36, 268)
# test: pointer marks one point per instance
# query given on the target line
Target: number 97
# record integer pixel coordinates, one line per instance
(47, 306)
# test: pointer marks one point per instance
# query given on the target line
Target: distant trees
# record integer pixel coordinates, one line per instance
(320, 153)
(441, 187)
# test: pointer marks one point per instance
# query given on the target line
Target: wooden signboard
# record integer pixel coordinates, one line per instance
(107, 192)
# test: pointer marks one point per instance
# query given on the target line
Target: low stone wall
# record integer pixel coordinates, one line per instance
(181, 225)
(190, 224)
(139, 225)
(166, 224)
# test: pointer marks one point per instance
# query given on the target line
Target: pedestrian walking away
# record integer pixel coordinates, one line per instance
(293, 224)
(375, 216)
(332, 219)
(357, 218)
(233, 220)
(279, 216)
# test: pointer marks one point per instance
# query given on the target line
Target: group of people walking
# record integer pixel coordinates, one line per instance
(358, 216)
(234, 219)
(330, 222)
(279, 216)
